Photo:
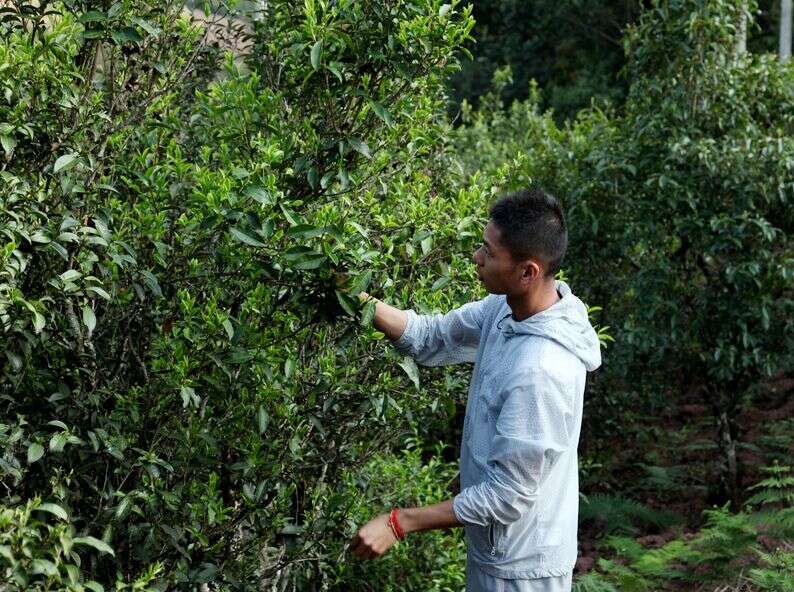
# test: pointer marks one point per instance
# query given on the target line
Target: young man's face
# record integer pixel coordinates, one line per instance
(497, 269)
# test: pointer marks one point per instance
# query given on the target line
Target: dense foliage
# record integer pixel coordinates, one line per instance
(571, 48)
(191, 393)
(680, 207)
(185, 376)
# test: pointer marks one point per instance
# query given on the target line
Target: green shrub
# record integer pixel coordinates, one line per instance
(40, 551)
(186, 370)
(434, 560)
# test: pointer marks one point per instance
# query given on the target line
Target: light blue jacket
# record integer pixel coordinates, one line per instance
(519, 498)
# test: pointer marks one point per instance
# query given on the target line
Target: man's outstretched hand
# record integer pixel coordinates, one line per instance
(373, 539)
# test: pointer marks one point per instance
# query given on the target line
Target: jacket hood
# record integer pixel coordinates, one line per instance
(565, 322)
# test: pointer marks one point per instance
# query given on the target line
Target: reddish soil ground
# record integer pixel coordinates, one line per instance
(686, 442)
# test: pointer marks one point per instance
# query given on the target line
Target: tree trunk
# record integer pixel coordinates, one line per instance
(785, 30)
(728, 447)
(741, 41)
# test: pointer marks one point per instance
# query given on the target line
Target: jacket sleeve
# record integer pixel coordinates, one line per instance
(532, 431)
(440, 340)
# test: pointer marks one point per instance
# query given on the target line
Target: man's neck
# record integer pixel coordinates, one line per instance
(534, 301)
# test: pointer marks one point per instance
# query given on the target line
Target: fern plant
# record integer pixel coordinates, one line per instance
(776, 489)
(672, 479)
(778, 573)
(778, 439)
(617, 513)
(593, 582)
(726, 539)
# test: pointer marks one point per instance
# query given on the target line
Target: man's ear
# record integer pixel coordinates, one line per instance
(532, 270)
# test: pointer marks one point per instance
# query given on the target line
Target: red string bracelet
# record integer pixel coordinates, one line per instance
(394, 524)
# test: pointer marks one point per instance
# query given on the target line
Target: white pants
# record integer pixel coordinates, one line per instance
(479, 581)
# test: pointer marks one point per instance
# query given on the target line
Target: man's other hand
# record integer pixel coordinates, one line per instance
(373, 539)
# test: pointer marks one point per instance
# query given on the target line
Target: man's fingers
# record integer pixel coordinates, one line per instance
(357, 546)
(354, 542)
(361, 549)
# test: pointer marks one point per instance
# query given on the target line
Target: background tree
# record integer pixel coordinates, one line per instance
(785, 30)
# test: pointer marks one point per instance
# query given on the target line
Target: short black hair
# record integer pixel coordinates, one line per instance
(532, 225)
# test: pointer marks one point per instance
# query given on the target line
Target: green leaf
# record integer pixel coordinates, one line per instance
(259, 194)
(89, 319)
(124, 507)
(334, 68)
(71, 570)
(344, 178)
(126, 34)
(54, 509)
(38, 322)
(289, 368)
(382, 112)
(40, 237)
(58, 441)
(317, 49)
(312, 176)
(35, 452)
(189, 396)
(70, 275)
(100, 546)
(8, 142)
(147, 26)
(427, 244)
(262, 419)
(93, 16)
(93, 34)
(99, 291)
(151, 282)
(409, 365)
(440, 283)
(244, 238)
(360, 146)
(368, 314)
(310, 261)
(44, 567)
(306, 231)
(65, 162)
(58, 248)
(15, 360)
(444, 9)
(67, 237)
(326, 179)
(361, 282)
(227, 325)
(346, 302)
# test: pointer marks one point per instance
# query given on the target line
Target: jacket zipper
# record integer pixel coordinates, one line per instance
(491, 538)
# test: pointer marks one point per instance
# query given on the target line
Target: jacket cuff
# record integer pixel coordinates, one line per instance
(404, 343)
(463, 513)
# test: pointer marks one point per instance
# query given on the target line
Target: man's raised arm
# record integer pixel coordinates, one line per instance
(433, 339)
(389, 320)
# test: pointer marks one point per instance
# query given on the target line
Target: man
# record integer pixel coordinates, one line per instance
(532, 344)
